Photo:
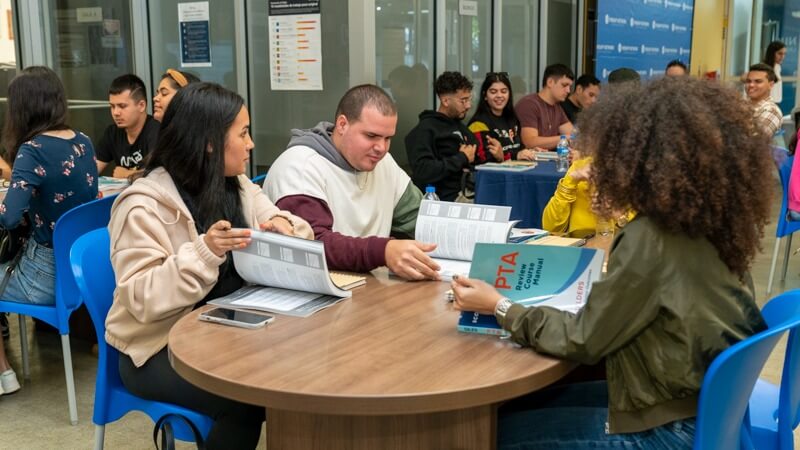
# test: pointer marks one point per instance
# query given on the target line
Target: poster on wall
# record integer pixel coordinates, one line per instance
(193, 24)
(643, 35)
(112, 34)
(295, 45)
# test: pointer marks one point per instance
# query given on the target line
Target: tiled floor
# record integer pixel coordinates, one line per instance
(36, 417)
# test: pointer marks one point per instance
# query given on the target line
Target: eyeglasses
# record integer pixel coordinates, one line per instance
(462, 100)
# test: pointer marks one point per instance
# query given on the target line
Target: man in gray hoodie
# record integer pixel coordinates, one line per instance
(341, 178)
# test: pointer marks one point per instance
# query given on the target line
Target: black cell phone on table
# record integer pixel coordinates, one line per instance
(236, 318)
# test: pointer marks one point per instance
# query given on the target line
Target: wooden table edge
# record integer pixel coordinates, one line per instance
(372, 405)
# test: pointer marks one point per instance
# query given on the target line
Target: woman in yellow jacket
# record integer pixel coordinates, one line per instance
(570, 208)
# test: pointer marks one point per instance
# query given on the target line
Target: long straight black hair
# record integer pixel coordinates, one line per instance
(773, 48)
(191, 148)
(483, 105)
(36, 103)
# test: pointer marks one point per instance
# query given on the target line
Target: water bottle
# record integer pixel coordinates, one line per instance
(562, 149)
(430, 193)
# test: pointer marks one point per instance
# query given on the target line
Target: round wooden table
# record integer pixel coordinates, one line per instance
(385, 369)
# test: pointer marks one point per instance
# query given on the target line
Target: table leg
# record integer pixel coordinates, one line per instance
(466, 429)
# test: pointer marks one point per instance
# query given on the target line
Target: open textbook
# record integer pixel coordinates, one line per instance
(455, 228)
(289, 275)
(533, 275)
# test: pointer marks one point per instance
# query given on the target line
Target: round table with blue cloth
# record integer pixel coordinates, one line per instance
(526, 192)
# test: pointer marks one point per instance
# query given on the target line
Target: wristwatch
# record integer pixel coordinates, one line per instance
(501, 309)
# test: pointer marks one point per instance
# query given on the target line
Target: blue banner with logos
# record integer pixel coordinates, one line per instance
(643, 35)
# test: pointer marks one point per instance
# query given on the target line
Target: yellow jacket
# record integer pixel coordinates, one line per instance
(570, 208)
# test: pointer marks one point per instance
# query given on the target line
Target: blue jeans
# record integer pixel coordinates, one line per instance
(574, 417)
(34, 279)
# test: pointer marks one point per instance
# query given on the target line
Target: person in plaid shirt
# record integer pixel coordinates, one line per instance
(758, 85)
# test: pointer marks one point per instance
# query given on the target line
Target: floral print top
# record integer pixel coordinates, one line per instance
(49, 177)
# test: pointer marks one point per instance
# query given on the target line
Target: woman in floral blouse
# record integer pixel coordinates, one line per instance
(53, 170)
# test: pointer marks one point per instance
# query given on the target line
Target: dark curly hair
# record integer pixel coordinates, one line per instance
(450, 83)
(686, 154)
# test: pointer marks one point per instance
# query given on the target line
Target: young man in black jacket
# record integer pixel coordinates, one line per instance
(441, 149)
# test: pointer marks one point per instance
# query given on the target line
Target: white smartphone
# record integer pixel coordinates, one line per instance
(237, 318)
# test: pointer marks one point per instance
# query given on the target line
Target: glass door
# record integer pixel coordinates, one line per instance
(168, 19)
(277, 105)
(467, 41)
(403, 62)
(778, 20)
(88, 43)
(519, 43)
(8, 53)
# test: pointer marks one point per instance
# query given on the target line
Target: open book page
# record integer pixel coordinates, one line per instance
(287, 262)
(456, 227)
(519, 235)
(112, 184)
(277, 300)
(450, 267)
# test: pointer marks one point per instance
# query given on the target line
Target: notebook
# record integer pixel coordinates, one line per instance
(347, 281)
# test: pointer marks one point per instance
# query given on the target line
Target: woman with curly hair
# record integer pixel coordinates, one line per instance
(685, 155)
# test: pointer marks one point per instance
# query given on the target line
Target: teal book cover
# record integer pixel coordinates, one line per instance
(533, 275)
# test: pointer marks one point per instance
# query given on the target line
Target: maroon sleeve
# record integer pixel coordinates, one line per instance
(342, 252)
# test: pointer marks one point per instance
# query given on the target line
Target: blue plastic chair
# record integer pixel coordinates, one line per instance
(259, 179)
(91, 265)
(774, 410)
(729, 381)
(69, 227)
(785, 227)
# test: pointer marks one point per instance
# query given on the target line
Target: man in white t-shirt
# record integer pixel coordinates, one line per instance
(341, 178)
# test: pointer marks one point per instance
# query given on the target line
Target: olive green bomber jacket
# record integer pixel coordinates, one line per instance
(666, 308)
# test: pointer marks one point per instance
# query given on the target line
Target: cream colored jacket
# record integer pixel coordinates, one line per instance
(162, 266)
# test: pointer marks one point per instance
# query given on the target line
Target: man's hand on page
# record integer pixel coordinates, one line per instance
(408, 259)
(221, 238)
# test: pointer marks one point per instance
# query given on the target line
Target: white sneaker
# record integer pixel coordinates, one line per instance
(8, 382)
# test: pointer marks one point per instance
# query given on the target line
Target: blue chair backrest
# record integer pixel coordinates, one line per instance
(729, 380)
(784, 226)
(789, 402)
(92, 252)
(69, 227)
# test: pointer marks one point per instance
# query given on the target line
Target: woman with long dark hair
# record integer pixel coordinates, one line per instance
(495, 123)
(172, 232)
(773, 57)
(677, 291)
(171, 82)
(53, 171)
